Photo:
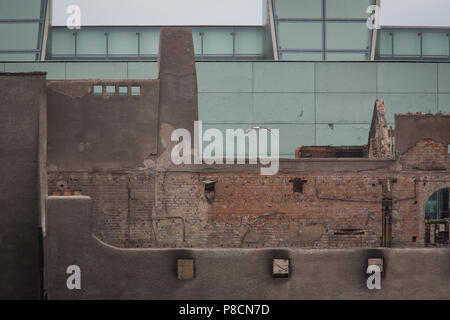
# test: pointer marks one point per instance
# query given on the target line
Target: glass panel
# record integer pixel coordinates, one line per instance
(385, 43)
(135, 91)
(300, 35)
(150, 41)
(437, 206)
(123, 42)
(197, 39)
(406, 43)
(17, 56)
(347, 9)
(308, 56)
(20, 9)
(98, 90)
(249, 41)
(218, 41)
(110, 90)
(347, 56)
(123, 90)
(91, 42)
(352, 35)
(435, 44)
(298, 9)
(62, 42)
(19, 36)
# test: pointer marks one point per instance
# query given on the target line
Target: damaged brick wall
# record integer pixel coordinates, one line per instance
(169, 209)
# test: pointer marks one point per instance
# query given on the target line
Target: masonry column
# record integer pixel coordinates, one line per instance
(178, 84)
(22, 104)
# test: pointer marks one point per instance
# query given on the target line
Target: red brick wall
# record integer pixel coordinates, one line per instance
(336, 209)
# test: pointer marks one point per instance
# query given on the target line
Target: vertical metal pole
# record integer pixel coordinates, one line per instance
(107, 43)
(233, 34)
(139, 44)
(75, 35)
(201, 42)
(421, 44)
(324, 33)
(448, 35)
(392, 44)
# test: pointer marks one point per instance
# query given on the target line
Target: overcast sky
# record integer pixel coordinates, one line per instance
(415, 13)
(229, 12)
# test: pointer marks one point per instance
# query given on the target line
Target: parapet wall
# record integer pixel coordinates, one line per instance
(22, 103)
(112, 273)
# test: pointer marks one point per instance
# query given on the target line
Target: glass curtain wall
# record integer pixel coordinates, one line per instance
(21, 29)
(322, 29)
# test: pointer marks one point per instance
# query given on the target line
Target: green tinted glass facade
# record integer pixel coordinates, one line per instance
(322, 29)
(130, 43)
(21, 29)
(311, 103)
(413, 44)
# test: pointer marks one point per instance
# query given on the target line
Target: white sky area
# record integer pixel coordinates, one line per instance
(162, 12)
(422, 13)
(229, 12)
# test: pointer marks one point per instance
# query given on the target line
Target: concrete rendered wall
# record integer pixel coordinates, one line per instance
(100, 132)
(23, 100)
(113, 273)
(312, 103)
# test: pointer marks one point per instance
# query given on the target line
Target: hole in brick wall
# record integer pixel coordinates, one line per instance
(110, 90)
(135, 90)
(414, 239)
(210, 190)
(98, 90)
(123, 90)
(348, 231)
(298, 185)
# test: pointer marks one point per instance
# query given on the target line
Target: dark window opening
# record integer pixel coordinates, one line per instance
(332, 152)
(210, 190)
(298, 185)
(355, 153)
(349, 231)
(437, 206)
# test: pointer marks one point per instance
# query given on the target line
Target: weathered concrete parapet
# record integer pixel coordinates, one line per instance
(108, 272)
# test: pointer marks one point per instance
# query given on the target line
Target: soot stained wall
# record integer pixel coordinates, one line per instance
(22, 98)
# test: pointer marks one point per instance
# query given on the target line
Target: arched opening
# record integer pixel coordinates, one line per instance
(437, 218)
(437, 205)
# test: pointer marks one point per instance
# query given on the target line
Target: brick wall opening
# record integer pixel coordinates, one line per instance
(298, 185)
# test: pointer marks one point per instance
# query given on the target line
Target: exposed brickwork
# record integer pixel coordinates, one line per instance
(335, 210)
(426, 155)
